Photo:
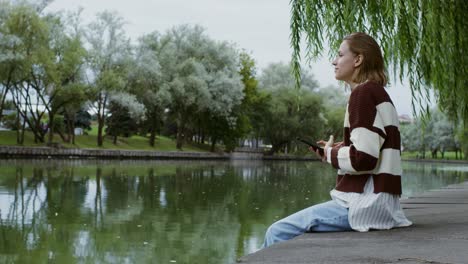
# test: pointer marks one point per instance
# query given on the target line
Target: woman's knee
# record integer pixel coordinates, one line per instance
(272, 230)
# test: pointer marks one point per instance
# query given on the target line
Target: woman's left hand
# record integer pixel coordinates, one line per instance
(328, 144)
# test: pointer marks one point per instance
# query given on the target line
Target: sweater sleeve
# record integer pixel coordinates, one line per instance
(366, 135)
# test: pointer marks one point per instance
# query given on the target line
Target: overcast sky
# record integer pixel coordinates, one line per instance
(259, 26)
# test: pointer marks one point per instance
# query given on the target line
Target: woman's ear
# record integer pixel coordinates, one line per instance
(358, 60)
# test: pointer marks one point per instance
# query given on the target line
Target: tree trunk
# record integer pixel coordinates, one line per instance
(51, 127)
(101, 118)
(72, 126)
(62, 136)
(115, 140)
(152, 138)
(180, 135)
(23, 128)
(2, 103)
(213, 144)
(180, 138)
(18, 128)
(100, 128)
(199, 132)
(68, 128)
(38, 131)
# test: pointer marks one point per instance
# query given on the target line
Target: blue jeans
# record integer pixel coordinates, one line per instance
(324, 217)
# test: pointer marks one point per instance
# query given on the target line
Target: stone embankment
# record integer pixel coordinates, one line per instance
(48, 152)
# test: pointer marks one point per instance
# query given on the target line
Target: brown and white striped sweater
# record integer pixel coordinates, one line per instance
(371, 143)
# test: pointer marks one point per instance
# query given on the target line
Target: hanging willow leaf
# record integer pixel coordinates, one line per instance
(422, 40)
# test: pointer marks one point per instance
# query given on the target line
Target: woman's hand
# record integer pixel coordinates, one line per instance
(327, 144)
(336, 144)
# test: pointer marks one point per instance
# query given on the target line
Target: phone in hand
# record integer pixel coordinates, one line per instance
(314, 146)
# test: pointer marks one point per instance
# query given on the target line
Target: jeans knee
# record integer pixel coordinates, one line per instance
(271, 231)
(274, 231)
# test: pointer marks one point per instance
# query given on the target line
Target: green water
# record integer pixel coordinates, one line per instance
(162, 211)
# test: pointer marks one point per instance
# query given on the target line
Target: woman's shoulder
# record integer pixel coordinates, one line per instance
(368, 85)
(372, 89)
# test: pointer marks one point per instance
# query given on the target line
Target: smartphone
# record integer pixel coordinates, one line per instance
(314, 146)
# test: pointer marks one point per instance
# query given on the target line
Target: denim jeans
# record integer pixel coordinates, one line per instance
(324, 217)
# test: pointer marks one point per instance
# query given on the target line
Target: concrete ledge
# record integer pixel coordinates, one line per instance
(438, 161)
(35, 152)
(439, 235)
(67, 153)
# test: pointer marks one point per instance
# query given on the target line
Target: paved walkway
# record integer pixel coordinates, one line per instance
(439, 235)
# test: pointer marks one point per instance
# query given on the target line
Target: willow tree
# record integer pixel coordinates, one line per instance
(422, 40)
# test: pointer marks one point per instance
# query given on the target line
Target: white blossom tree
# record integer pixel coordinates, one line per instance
(147, 81)
(201, 75)
(109, 53)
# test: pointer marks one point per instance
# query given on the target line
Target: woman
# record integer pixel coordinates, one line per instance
(368, 185)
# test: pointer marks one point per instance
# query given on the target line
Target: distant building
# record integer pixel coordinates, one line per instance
(79, 131)
(405, 119)
(6, 113)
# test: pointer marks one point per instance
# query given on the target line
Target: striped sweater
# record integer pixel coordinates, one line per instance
(369, 164)
(371, 143)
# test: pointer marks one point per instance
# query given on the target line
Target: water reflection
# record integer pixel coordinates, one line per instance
(161, 212)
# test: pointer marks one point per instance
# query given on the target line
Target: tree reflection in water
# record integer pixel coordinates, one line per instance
(161, 211)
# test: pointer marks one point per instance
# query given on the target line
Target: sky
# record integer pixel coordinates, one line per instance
(261, 27)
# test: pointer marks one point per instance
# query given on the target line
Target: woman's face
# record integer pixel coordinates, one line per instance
(345, 63)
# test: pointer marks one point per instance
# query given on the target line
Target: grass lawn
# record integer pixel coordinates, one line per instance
(90, 141)
(448, 155)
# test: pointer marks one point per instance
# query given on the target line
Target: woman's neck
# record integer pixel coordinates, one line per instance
(353, 85)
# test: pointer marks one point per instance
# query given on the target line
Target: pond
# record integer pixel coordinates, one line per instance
(88, 211)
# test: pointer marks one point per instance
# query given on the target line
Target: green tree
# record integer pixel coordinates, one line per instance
(412, 136)
(239, 124)
(462, 135)
(108, 56)
(290, 117)
(335, 101)
(147, 82)
(252, 102)
(11, 55)
(436, 134)
(291, 112)
(70, 91)
(83, 119)
(201, 76)
(423, 40)
(119, 122)
(29, 68)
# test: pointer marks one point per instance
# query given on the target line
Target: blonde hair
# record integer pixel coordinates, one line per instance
(372, 67)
